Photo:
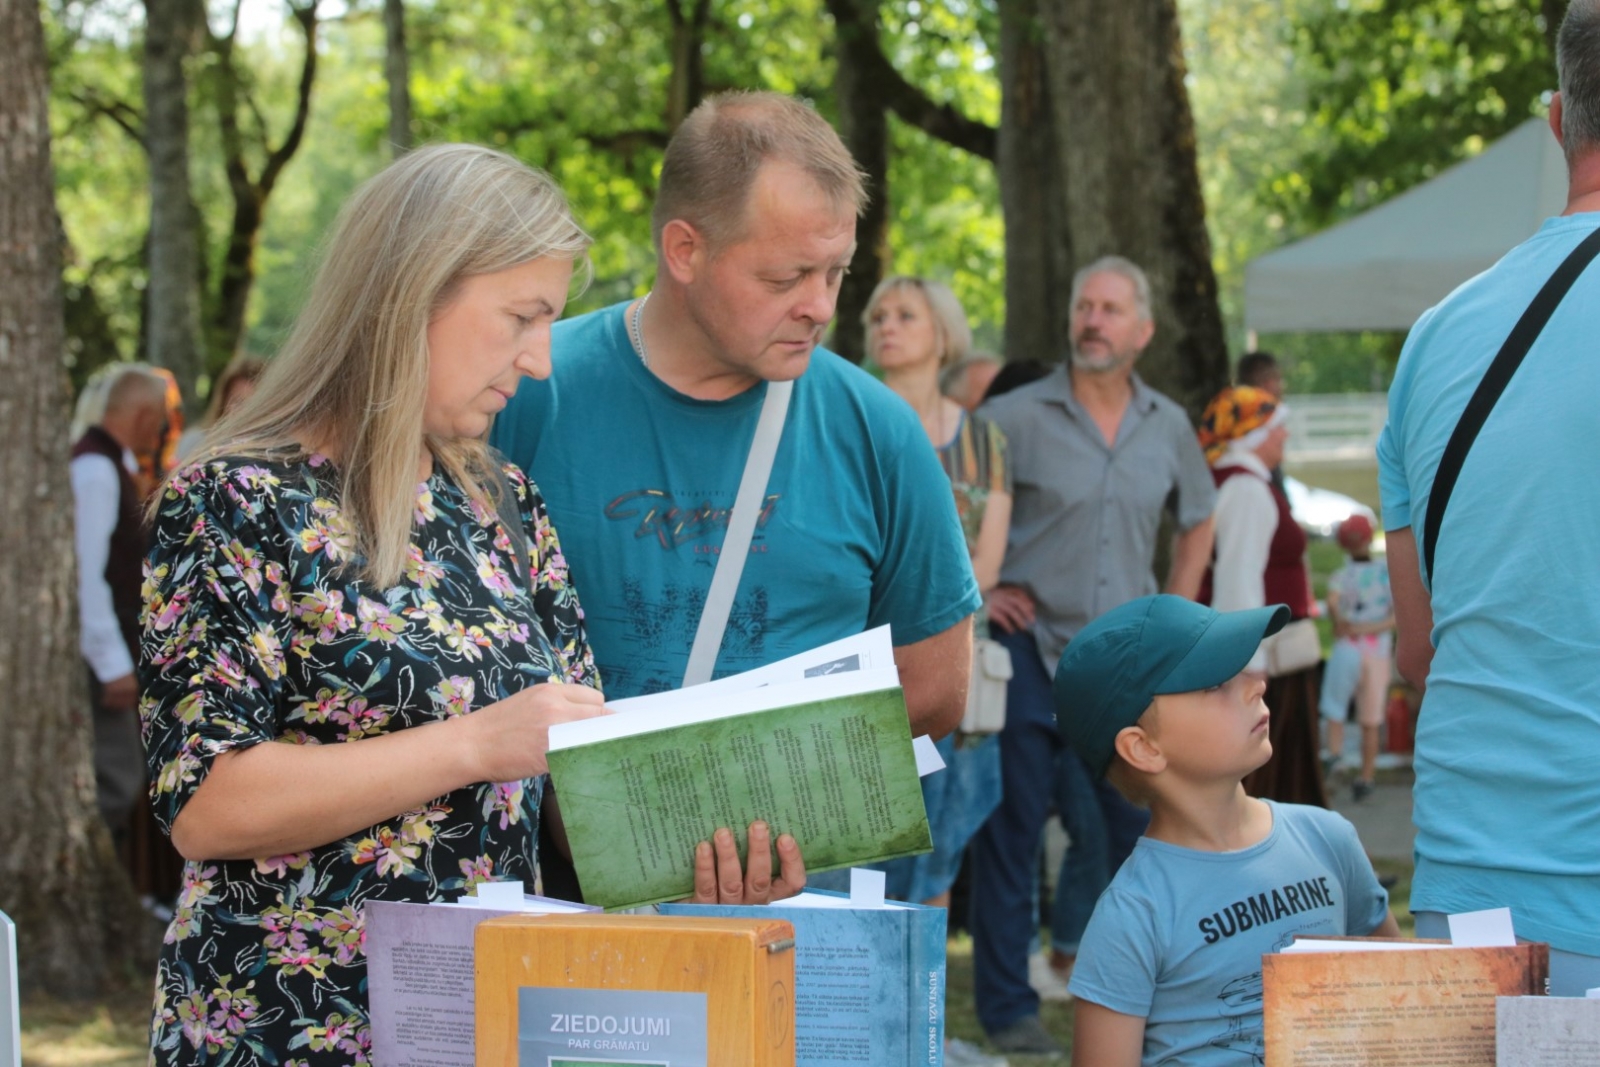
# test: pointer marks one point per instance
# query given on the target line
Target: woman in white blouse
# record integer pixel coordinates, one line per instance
(1261, 559)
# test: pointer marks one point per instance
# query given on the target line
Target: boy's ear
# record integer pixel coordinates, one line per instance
(1140, 751)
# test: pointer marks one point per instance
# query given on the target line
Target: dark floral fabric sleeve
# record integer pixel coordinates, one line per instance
(216, 627)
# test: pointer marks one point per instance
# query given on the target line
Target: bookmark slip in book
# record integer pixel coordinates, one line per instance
(1482, 929)
(828, 760)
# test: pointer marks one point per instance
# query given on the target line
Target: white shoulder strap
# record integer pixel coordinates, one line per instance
(741, 527)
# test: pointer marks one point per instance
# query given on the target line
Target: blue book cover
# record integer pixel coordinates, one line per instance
(868, 982)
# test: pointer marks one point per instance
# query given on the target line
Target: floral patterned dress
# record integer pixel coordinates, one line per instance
(255, 631)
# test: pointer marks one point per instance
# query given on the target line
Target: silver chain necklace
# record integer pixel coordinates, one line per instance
(635, 334)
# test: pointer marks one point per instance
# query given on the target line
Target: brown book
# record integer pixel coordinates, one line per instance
(596, 990)
(1433, 1004)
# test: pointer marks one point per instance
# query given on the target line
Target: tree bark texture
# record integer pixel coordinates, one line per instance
(59, 879)
(864, 126)
(250, 193)
(397, 68)
(1038, 238)
(687, 86)
(858, 19)
(1111, 151)
(172, 297)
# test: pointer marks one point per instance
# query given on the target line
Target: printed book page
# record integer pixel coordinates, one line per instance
(1357, 1008)
(838, 773)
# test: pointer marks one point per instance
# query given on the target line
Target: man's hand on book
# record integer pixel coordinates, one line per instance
(718, 878)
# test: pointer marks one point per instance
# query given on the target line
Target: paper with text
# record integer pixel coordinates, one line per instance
(837, 772)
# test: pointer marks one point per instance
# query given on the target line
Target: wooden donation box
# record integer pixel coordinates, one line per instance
(599, 990)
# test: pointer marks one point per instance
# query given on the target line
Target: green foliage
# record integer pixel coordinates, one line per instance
(343, 147)
(1403, 89)
(945, 219)
(1336, 362)
(101, 179)
(1291, 138)
(946, 224)
(1305, 109)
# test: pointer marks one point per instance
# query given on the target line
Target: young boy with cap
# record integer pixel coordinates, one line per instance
(1154, 694)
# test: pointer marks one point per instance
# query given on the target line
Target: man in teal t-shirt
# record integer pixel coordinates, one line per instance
(1506, 632)
(639, 438)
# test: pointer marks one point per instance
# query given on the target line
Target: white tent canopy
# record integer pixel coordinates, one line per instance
(1383, 268)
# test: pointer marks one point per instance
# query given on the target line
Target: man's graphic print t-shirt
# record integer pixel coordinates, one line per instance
(1179, 935)
(858, 526)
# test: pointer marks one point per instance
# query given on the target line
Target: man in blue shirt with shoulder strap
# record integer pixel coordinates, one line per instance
(1504, 627)
(639, 438)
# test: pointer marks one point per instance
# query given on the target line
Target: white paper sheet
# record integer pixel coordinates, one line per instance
(928, 758)
(818, 900)
(1482, 929)
(700, 704)
(868, 651)
(867, 888)
(1321, 945)
(509, 896)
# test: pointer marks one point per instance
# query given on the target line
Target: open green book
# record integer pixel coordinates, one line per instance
(827, 758)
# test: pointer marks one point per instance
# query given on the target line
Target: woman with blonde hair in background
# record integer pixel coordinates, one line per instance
(916, 329)
(352, 612)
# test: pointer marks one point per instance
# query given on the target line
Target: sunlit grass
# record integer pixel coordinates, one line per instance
(961, 1019)
(113, 1032)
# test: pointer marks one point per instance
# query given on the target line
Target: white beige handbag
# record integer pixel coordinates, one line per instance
(1292, 649)
(986, 689)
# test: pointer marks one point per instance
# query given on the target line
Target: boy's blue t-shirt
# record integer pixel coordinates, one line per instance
(1507, 792)
(1178, 936)
(858, 529)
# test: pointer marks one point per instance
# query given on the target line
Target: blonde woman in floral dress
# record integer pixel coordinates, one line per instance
(349, 673)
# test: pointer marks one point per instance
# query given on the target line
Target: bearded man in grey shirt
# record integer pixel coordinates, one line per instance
(1095, 455)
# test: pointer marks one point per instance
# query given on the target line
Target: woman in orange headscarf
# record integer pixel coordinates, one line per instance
(1261, 559)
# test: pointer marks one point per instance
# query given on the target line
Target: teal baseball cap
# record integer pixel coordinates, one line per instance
(1150, 647)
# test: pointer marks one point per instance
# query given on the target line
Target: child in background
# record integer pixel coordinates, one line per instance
(1154, 695)
(1363, 618)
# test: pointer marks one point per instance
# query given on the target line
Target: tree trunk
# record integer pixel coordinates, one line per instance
(172, 297)
(687, 86)
(864, 126)
(1039, 261)
(397, 67)
(1113, 157)
(250, 194)
(76, 919)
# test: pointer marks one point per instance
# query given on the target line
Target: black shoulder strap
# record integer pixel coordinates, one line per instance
(1495, 380)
